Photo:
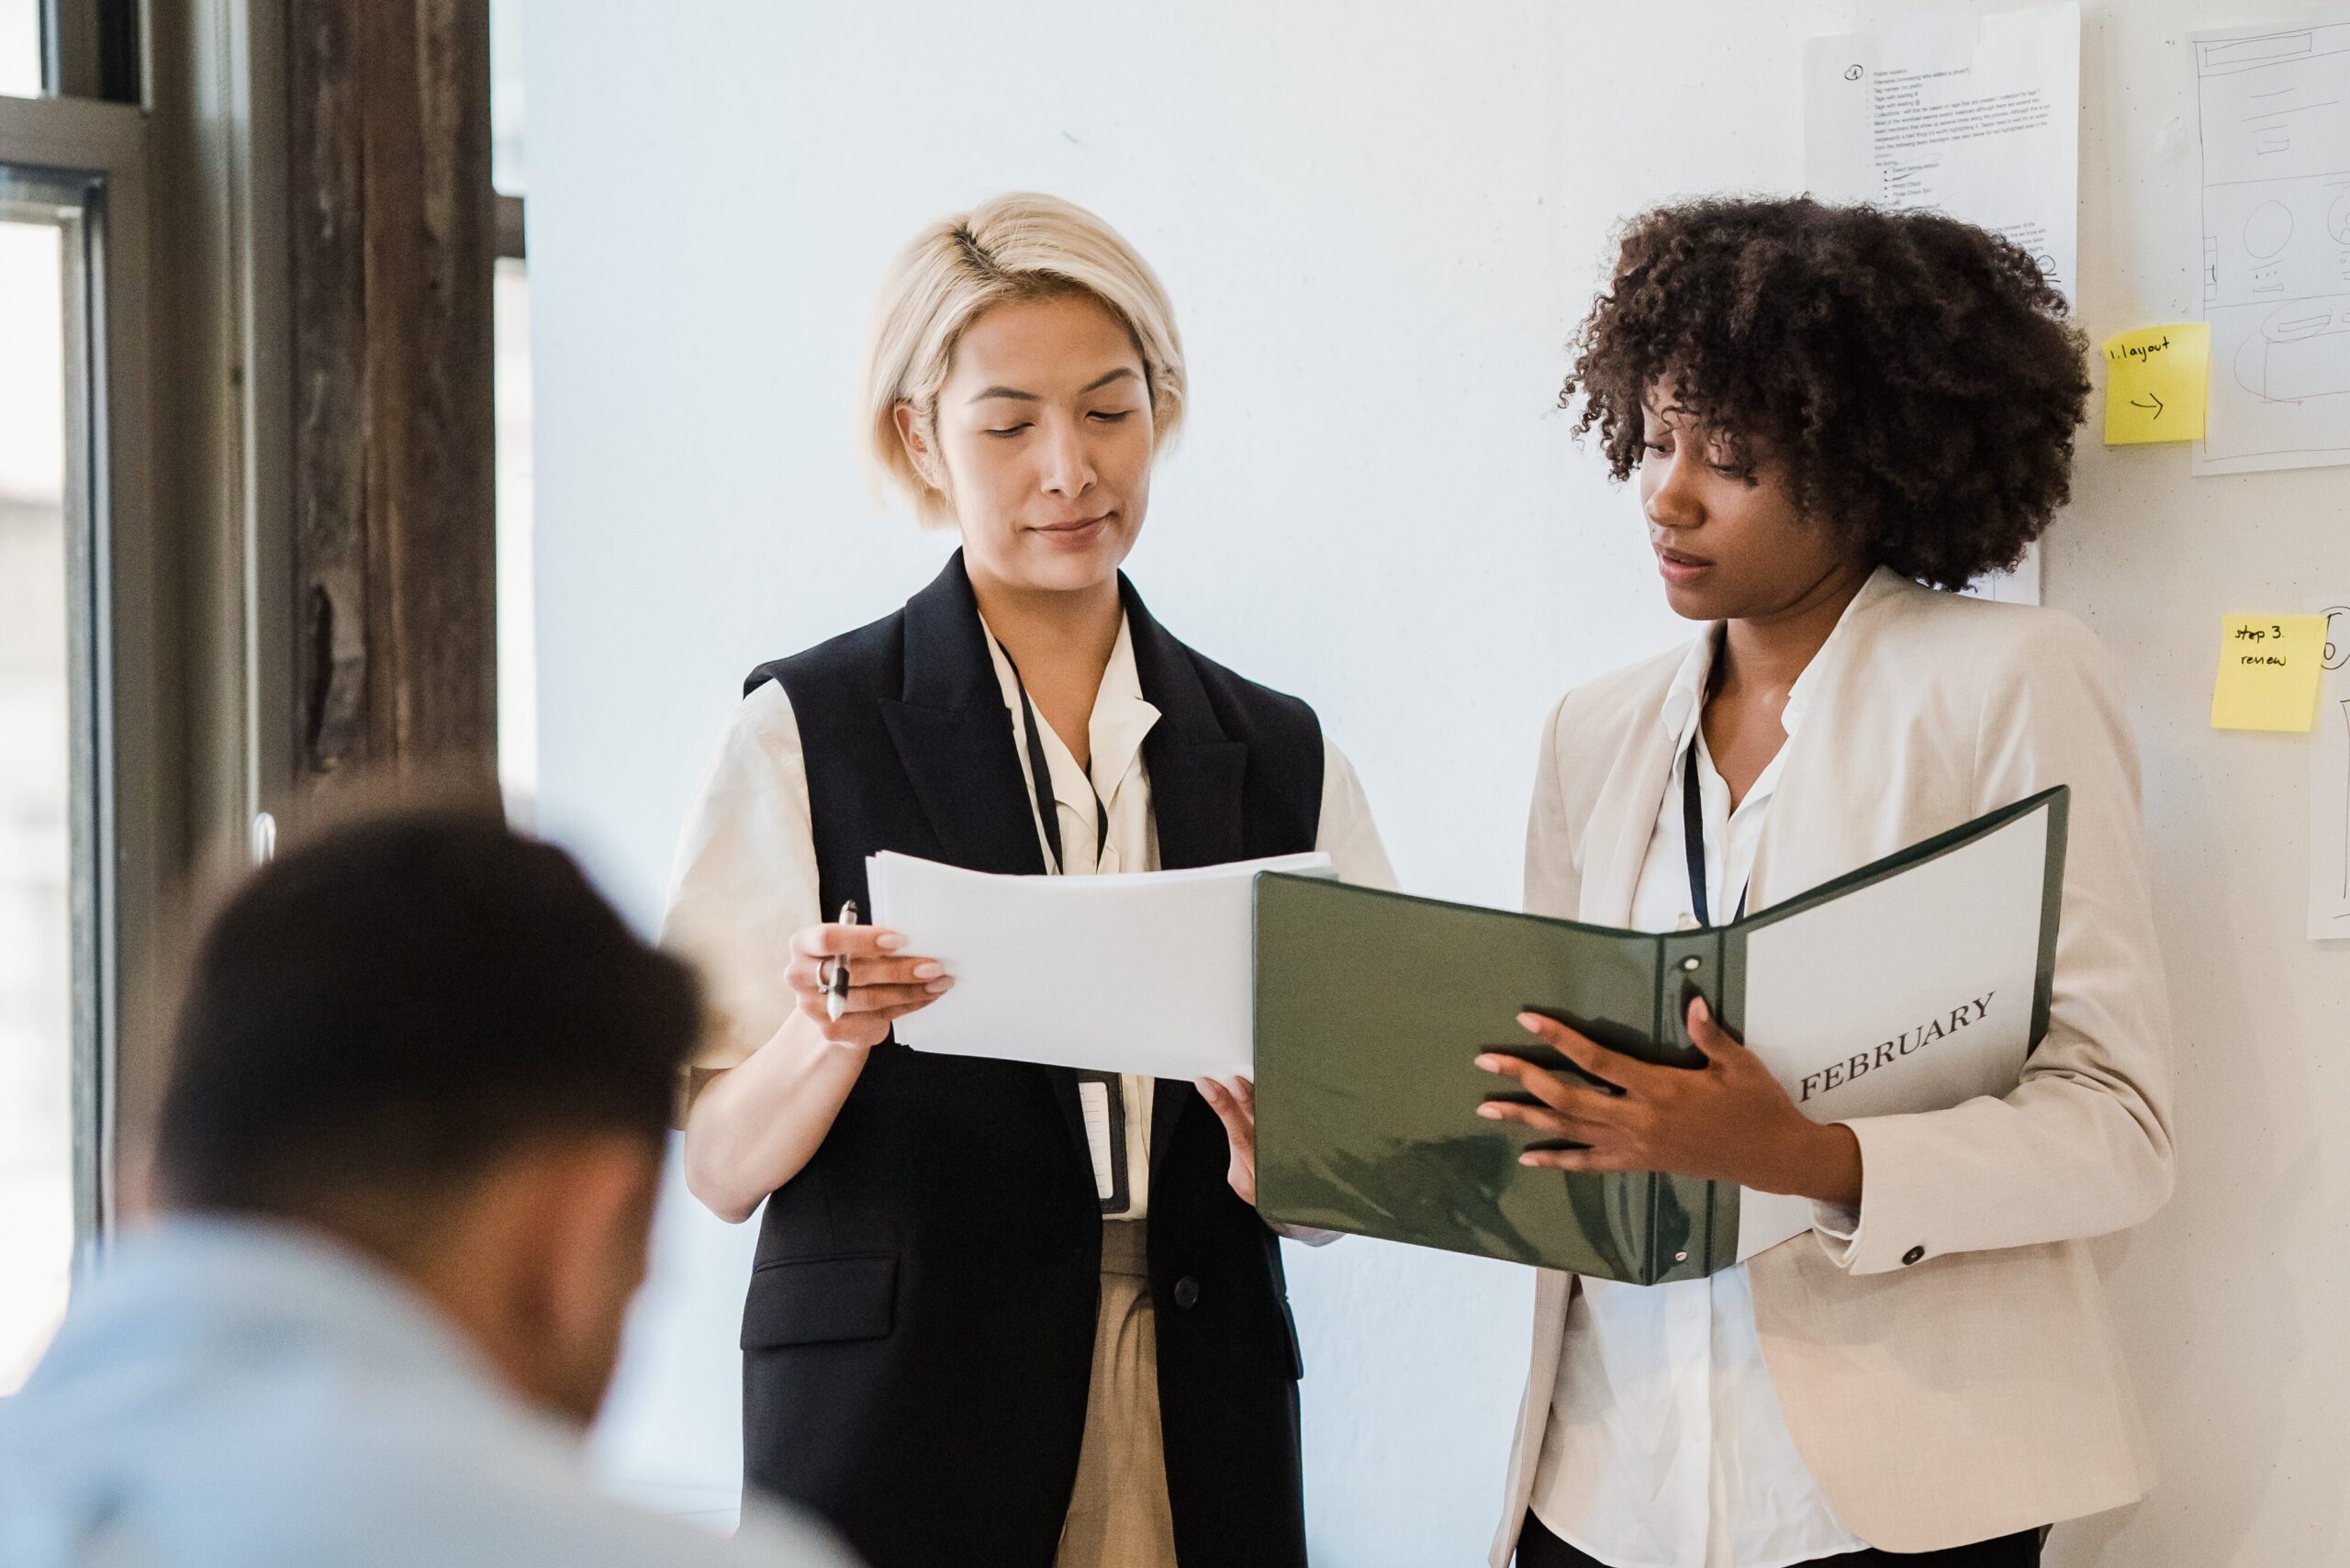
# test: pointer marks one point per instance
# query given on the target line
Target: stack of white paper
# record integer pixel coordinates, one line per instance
(1149, 972)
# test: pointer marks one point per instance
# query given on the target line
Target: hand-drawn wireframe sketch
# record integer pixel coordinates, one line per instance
(2274, 113)
(2330, 786)
(2301, 350)
(2342, 708)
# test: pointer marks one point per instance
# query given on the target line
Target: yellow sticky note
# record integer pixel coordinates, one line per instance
(2269, 670)
(2154, 380)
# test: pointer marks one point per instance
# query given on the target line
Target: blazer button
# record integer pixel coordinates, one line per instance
(1187, 1293)
(1912, 1255)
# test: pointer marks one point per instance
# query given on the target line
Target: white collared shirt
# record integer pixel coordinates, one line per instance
(1665, 1447)
(746, 878)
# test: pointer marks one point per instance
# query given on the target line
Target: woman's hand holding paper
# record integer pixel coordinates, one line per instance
(1726, 1121)
(884, 986)
(1234, 1100)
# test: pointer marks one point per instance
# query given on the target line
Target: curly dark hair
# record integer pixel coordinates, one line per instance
(1917, 377)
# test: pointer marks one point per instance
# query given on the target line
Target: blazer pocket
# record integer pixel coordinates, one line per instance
(809, 1301)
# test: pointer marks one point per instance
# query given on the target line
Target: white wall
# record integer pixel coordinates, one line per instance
(1379, 224)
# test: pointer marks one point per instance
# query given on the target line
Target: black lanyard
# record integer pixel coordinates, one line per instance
(1040, 775)
(1119, 1199)
(1693, 841)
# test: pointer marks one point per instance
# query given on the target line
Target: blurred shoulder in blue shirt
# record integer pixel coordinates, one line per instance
(233, 1394)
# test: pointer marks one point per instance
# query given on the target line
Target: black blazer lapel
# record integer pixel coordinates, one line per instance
(954, 740)
(1196, 770)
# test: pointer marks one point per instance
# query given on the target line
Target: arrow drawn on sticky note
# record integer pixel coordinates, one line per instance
(2151, 374)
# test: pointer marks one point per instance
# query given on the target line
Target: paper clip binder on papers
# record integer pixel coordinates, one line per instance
(1144, 972)
(1911, 984)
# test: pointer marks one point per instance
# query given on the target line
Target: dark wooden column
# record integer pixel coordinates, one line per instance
(392, 244)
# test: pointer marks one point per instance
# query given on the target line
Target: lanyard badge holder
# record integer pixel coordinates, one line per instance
(1101, 1096)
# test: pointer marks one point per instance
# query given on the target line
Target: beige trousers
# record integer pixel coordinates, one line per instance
(1118, 1516)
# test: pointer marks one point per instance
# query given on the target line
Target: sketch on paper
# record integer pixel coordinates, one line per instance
(2274, 111)
(2330, 786)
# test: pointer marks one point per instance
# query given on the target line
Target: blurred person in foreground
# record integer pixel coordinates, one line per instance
(407, 1166)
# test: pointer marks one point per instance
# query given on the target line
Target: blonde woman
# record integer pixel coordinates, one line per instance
(1000, 1314)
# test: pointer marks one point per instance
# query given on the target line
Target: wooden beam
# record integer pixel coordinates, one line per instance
(392, 247)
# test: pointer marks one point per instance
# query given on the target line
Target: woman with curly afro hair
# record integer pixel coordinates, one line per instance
(1835, 415)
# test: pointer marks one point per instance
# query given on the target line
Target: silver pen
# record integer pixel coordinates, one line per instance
(836, 997)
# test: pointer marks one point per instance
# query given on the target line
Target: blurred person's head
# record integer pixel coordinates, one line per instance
(1023, 375)
(432, 1040)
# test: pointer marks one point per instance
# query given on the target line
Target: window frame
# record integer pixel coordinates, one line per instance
(187, 115)
(123, 751)
(94, 49)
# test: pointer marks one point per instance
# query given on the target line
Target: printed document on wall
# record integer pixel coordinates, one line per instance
(2330, 785)
(2273, 113)
(1976, 117)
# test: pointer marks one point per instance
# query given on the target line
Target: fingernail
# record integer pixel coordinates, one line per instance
(1705, 1014)
(1490, 1064)
(1490, 1112)
(1528, 1159)
(930, 970)
(938, 985)
(889, 941)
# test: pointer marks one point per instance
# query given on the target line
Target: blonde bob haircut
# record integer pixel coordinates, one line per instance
(1021, 246)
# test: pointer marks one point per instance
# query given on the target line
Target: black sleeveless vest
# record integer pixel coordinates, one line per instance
(918, 1337)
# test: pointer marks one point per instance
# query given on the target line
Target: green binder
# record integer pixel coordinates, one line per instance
(1371, 1006)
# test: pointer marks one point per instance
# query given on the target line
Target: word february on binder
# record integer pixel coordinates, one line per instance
(1911, 984)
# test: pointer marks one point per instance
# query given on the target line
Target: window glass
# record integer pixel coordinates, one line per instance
(517, 677)
(505, 95)
(37, 695)
(518, 685)
(20, 48)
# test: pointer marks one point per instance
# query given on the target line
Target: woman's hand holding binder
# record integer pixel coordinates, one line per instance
(1728, 1120)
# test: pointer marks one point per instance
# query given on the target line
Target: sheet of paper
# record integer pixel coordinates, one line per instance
(1148, 972)
(2330, 785)
(2155, 384)
(1914, 995)
(1976, 117)
(2269, 669)
(2273, 115)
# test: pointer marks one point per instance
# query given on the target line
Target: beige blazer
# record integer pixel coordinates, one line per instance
(1949, 1373)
